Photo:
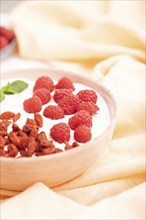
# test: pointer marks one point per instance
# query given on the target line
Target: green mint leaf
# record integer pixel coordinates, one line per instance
(18, 86)
(2, 96)
(12, 88)
(7, 89)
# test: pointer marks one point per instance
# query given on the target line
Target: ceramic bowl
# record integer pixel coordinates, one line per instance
(8, 50)
(53, 170)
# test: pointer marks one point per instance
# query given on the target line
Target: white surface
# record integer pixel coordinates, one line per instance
(14, 63)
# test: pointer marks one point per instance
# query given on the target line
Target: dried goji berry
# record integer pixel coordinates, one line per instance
(41, 136)
(3, 133)
(34, 133)
(15, 127)
(23, 142)
(39, 154)
(31, 146)
(7, 140)
(2, 142)
(30, 122)
(23, 153)
(6, 115)
(46, 143)
(2, 153)
(14, 138)
(58, 150)
(38, 119)
(22, 133)
(4, 125)
(16, 117)
(12, 151)
(68, 147)
(49, 150)
(75, 144)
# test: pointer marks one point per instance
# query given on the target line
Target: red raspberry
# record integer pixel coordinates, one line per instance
(60, 132)
(65, 83)
(87, 95)
(82, 134)
(60, 93)
(80, 118)
(44, 82)
(3, 42)
(69, 104)
(53, 112)
(6, 33)
(90, 107)
(32, 105)
(43, 94)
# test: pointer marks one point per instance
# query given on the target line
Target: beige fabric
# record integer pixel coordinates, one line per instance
(41, 203)
(105, 41)
(77, 31)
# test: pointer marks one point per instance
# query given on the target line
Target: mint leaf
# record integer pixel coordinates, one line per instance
(7, 89)
(18, 86)
(12, 88)
(2, 96)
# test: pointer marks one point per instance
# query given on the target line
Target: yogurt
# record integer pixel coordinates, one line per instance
(14, 103)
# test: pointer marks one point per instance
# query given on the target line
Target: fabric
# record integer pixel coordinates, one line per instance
(105, 41)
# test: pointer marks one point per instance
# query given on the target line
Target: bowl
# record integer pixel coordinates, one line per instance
(53, 170)
(8, 41)
(8, 50)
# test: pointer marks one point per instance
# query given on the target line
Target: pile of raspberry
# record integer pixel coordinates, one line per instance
(6, 37)
(80, 106)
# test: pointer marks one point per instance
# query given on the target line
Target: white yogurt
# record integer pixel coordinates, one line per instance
(14, 103)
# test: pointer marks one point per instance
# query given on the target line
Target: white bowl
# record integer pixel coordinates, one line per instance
(8, 50)
(56, 169)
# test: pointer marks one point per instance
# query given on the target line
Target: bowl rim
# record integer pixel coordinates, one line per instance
(80, 77)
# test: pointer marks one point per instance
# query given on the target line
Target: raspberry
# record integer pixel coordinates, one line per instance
(82, 134)
(6, 33)
(3, 42)
(65, 83)
(53, 112)
(80, 118)
(87, 95)
(60, 132)
(90, 107)
(32, 105)
(44, 82)
(60, 93)
(43, 94)
(69, 104)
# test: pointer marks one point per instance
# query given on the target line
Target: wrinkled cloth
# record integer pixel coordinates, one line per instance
(105, 41)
